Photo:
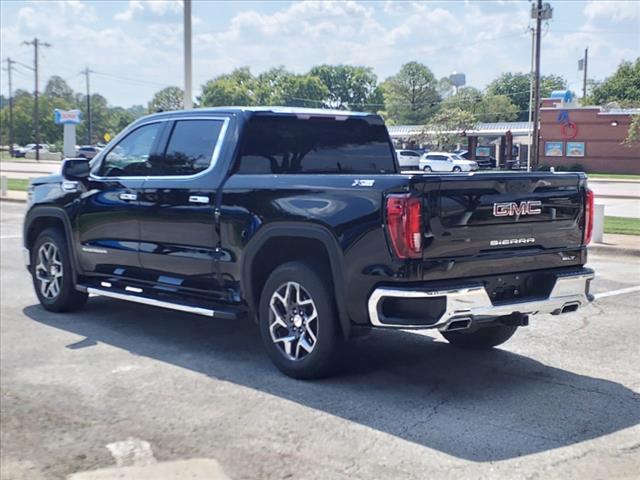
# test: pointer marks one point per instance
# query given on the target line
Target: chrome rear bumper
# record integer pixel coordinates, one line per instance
(471, 302)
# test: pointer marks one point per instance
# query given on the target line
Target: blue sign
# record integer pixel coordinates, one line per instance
(67, 117)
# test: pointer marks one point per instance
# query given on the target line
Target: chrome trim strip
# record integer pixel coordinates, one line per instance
(153, 302)
(214, 156)
(473, 301)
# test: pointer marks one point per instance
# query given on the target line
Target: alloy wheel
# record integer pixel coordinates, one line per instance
(293, 321)
(49, 270)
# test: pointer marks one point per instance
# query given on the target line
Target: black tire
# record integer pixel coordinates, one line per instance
(427, 169)
(481, 339)
(322, 359)
(65, 298)
(456, 169)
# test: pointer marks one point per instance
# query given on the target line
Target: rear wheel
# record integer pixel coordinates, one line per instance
(481, 339)
(456, 169)
(298, 322)
(52, 273)
(427, 169)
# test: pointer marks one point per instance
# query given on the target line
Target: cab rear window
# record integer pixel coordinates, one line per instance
(292, 145)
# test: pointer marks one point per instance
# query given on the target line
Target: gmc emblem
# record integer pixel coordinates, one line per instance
(509, 209)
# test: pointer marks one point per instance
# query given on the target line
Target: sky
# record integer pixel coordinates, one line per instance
(136, 47)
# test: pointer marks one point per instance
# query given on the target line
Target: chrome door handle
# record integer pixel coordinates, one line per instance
(128, 196)
(198, 199)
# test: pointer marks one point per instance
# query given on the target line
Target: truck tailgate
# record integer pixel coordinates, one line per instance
(484, 213)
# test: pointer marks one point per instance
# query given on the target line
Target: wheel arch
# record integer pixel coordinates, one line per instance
(316, 239)
(39, 219)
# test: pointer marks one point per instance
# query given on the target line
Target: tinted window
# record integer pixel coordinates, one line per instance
(130, 157)
(411, 154)
(436, 157)
(287, 144)
(190, 148)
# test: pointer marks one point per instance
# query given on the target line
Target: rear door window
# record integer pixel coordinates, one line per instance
(289, 144)
(190, 148)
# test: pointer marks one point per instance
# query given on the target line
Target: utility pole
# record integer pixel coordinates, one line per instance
(188, 98)
(533, 50)
(536, 85)
(539, 12)
(86, 73)
(584, 78)
(9, 69)
(36, 113)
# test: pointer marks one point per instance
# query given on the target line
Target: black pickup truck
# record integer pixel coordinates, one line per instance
(301, 220)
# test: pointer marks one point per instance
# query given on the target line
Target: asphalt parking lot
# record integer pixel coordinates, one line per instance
(559, 400)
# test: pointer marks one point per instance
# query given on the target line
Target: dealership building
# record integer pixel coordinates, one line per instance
(590, 136)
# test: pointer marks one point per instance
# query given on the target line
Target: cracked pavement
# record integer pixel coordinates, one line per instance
(559, 400)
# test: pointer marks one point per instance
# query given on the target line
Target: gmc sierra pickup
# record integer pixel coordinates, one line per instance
(301, 220)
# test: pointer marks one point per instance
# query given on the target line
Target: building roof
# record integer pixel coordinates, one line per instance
(479, 130)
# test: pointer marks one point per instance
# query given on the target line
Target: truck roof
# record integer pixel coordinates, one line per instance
(266, 109)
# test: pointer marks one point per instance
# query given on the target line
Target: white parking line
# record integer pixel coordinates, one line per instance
(10, 236)
(613, 293)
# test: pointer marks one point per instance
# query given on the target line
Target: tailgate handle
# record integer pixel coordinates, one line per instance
(198, 199)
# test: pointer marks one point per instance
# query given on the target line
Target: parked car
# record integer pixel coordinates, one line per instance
(21, 152)
(483, 162)
(446, 162)
(300, 220)
(87, 151)
(408, 159)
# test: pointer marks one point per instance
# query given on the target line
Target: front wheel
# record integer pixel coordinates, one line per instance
(456, 169)
(427, 169)
(481, 339)
(298, 321)
(52, 273)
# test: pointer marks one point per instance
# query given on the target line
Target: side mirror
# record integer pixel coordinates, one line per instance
(75, 169)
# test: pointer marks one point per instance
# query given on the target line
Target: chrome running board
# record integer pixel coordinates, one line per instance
(207, 312)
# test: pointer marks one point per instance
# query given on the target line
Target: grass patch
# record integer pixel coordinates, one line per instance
(18, 184)
(622, 225)
(616, 176)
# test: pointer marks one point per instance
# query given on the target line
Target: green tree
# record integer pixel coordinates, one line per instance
(633, 134)
(58, 88)
(411, 96)
(622, 87)
(237, 88)
(516, 87)
(496, 108)
(350, 87)
(167, 99)
(445, 128)
(466, 98)
(304, 91)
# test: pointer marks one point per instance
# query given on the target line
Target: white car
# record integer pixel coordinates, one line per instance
(408, 159)
(446, 162)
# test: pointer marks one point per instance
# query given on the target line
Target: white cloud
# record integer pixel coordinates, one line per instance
(612, 10)
(151, 9)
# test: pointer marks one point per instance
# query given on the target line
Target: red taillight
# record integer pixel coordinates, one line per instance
(404, 222)
(588, 216)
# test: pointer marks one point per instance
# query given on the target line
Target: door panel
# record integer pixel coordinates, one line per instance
(108, 226)
(178, 238)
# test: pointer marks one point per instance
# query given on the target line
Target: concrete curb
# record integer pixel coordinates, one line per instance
(13, 200)
(622, 197)
(613, 251)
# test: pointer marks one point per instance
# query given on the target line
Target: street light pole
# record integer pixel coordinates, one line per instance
(86, 72)
(188, 98)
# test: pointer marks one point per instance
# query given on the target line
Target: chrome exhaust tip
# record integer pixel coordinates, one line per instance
(458, 324)
(570, 307)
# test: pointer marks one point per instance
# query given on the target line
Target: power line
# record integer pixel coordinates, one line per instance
(129, 79)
